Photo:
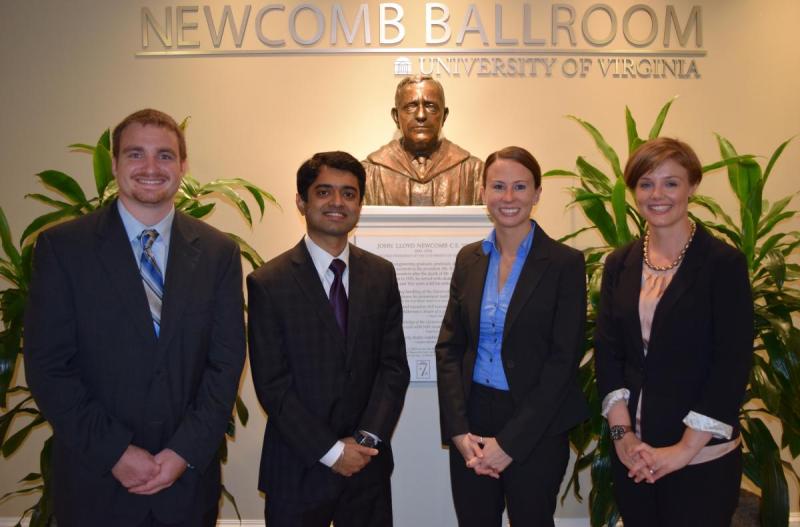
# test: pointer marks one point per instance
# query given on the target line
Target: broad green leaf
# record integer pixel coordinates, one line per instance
(770, 224)
(655, 131)
(774, 158)
(595, 210)
(230, 498)
(775, 494)
(241, 411)
(47, 200)
(776, 208)
(750, 173)
(48, 219)
(105, 140)
(620, 207)
(232, 195)
(559, 172)
(634, 141)
(776, 266)
(605, 148)
(726, 162)
(589, 173)
(6, 241)
(248, 253)
(13, 443)
(101, 162)
(63, 184)
(89, 149)
(199, 211)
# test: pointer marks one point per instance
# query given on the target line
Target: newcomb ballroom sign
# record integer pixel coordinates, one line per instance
(532, 39)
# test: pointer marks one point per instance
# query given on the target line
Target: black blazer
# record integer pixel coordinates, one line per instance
(315, 385)
(542, 344)
(103, 380)
(701, 342)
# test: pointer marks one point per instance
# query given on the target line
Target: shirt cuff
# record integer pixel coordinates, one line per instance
(704, 423)
(621, 394)
(332, 456)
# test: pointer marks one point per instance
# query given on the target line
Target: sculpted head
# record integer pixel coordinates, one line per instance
(419, 113)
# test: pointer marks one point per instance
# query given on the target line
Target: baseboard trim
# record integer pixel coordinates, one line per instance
(794, 520)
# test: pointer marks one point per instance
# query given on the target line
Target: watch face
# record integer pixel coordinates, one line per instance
(617, 432)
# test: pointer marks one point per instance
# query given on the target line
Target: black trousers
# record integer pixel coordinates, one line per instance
(198, 518)
(703, 495)
(529, 487)
(361, 506)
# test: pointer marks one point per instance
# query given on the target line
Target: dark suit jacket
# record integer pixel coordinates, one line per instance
(315, 385)
(103, 380)
(701, 342)
(542, 344)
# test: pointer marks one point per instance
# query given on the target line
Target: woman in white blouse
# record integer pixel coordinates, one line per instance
(673, 343)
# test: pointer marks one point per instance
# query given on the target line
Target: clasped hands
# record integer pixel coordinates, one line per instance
(143, 473)
(482, 454)
(354, 457)
(646, 463)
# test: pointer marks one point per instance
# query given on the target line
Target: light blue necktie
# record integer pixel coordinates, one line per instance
(151, 276)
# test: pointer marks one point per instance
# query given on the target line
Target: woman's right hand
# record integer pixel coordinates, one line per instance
(469, 446)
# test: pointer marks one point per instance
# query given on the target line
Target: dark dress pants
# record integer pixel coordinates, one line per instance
(703, 495)
(197, 518)
(356, 506)
(529, 487)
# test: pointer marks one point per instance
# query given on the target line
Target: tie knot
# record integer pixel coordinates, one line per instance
(337, 266)
(148, 237)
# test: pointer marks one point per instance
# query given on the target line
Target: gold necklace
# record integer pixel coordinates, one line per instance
(677, 260)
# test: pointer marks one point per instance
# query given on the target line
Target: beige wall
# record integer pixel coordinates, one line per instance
(69, 70)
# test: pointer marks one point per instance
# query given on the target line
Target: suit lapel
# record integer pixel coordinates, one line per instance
(308, 282)
(117, 257)
(181, 267)
(357, 297)
(532, 271)
(682, 281)
(473, 289)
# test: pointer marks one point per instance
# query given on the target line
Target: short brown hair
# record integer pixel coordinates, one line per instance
(148, 116)
(656, 151)
(518, 154)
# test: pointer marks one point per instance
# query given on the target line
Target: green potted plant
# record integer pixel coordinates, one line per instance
(69, 200)
(773, 393)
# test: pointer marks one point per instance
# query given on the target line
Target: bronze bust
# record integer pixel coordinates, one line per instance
(421, 168)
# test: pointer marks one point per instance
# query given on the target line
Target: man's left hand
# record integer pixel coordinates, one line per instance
(172, 467)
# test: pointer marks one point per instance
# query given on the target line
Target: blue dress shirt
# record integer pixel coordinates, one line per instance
(160, 248)
(488, 369)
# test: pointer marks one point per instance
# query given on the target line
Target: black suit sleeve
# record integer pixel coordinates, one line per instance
(530, 421)
(51, 369)
(609, 359)
(450, 349)
(197, 438)
(732, 354)
(308, 435)
(391, 379)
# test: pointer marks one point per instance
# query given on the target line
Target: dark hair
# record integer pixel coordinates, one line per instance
(521, 156)
(309, 170)
(148, 116)
(416, 79)
(654, 152)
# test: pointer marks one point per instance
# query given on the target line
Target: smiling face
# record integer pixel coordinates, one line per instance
(662, 195)
(332, 209)
(420, 113)
(510, 194)
(148, 171)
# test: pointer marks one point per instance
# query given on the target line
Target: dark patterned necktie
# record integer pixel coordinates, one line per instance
(151, 276)
(338, 296)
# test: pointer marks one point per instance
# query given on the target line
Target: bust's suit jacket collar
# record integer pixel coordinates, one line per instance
(114, 251)
(308, 282)
(535, 265)
(631, 284)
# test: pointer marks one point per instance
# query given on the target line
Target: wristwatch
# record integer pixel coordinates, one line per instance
(365, 440)
(619, 431)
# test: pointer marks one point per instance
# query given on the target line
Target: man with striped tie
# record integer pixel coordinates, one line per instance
(329, 361)
(134, 345)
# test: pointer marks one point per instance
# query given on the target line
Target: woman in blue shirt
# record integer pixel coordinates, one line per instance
(507, 356)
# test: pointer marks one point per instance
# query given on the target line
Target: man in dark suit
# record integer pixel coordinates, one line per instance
(134, 345)
(329, 362)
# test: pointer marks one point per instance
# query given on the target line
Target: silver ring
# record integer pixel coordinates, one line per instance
(480, 440)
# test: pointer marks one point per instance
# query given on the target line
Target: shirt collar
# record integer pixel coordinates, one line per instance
(322, 259)
(489, 243)
(134, 227)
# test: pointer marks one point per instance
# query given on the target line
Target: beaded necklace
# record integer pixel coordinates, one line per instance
(677, 260)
